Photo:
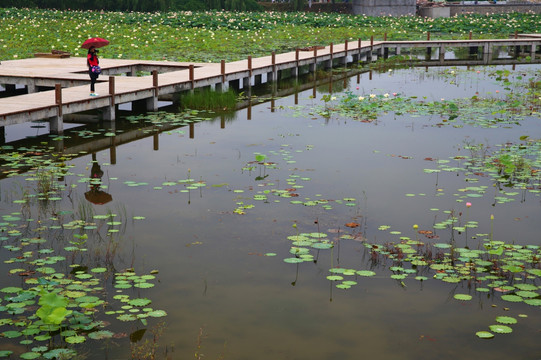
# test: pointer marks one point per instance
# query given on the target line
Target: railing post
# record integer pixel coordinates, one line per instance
(112, 89)
(428, 35)
(331, 53)
(470, 37)
(250, 64)
(56, 123)
(155, 79)
(371, 48)
(58, 98)
(385, 37)
(192, 76)
(222, 62)
(346, 46)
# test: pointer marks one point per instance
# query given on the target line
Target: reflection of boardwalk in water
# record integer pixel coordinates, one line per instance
(71, 95)
(76, 142)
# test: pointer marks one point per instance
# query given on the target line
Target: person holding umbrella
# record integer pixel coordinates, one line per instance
(93, 64)
(92, 60)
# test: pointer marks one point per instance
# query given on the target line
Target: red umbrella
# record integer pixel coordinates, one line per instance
(96, 42)
(98, 197)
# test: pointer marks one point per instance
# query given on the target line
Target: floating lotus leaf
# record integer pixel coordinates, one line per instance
(484, 335)
(157, 313)
(100, 335)
(140, 302)
(87, 299)
(365, 273)
(143, 285)
(349, 282)
(99, 270)
(421, 278)
(322, 246)
(293, 260)
(512, 298)
(126, 317)
(533, 302)
(442, 246)
(298, 251)
(527, 294)
(506, 320)
(5, 353)
(75, 339)
(11, 290)
(536, 272)
(30, 355)
(463, 297)
(42, 337)
(123, 286)
(500, 329)
(297, 238)
(337, 270)
(399, 276)
(11, 334)
(335, 277)
(481, 289)
(343, 286)
(60, 354)
(527, 287)
(318, 235)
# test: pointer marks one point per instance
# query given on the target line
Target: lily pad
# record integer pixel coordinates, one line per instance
(293, 260)
(506, 320)
(484, 335)
(500, 329)
(512, 298)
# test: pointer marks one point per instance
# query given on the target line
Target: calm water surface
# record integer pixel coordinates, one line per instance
(212, 276)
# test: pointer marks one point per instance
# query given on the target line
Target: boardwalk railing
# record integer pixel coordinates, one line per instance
(245, 73)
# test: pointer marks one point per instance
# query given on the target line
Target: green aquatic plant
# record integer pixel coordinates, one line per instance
(209, 100)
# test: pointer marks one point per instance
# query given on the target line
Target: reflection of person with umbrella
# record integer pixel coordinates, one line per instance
(92, 60)
(95, 195)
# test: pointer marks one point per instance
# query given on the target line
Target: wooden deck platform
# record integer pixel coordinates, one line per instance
(117, 85)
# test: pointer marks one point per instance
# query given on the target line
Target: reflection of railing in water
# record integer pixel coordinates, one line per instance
(77, 145)
(74, 144)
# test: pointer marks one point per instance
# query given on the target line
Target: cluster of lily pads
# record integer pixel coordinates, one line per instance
(490, 111)
(52, 309)
(68, 305)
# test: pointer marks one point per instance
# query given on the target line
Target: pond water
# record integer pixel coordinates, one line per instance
(219, 241)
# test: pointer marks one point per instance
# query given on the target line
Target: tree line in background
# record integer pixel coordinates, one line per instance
(146, 5)
(136, 5)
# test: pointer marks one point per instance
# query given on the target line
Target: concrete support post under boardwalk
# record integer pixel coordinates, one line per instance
(487, 53)
(56, 123)
(152, 102)
(31, 88)
(442, 54)
(109, 113)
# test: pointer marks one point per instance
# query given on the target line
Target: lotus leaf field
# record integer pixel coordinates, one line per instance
(384, 212)
(212, 36)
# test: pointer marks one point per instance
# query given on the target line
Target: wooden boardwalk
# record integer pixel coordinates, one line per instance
(69, 77)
